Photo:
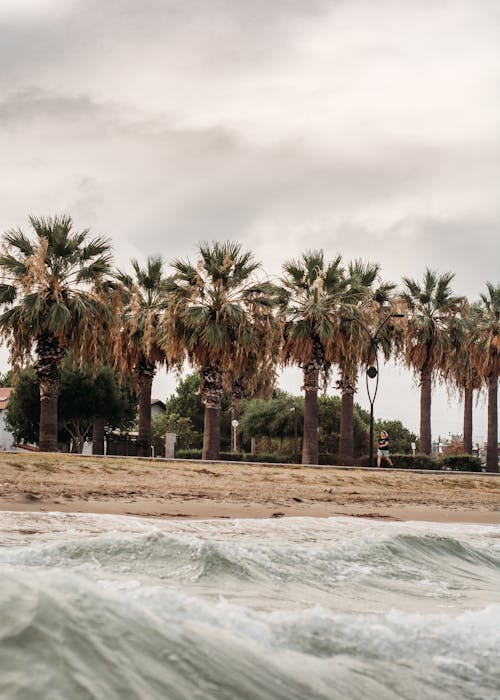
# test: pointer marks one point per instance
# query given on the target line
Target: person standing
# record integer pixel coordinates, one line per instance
(383, 448)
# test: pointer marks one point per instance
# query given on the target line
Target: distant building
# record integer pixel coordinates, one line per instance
(157, 407)
(6, 438)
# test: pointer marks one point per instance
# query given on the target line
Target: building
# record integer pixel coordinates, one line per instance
(6, 438)
(157, 407)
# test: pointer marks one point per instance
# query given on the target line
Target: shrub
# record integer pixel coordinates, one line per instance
(461, 463)
(188, 454)
(273, 458)
(399, 461)
(336, 461)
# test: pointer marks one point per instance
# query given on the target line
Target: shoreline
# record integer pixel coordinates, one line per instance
(42, 482)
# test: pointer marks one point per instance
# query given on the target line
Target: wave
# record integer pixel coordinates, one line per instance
(83, 640)
(373, 557)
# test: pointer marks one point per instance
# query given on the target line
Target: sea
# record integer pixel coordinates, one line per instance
(104, 607)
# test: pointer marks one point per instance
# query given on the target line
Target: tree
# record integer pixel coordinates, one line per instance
(6, 378)
(172, 423)
(23, 409)
(433, 309)
(214, 307)
(315, 297)
(53, 302)
(462, 371)
(487, 331)
(145, 301)
(273, 418)
(82, 396)
(186, 403)
(400, 438)
(254, 372)
(355, 347)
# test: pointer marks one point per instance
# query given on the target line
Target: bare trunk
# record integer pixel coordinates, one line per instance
(468, 398)
(146, 372)
(211, 433)
(49, 393)
(98, 436)
(492, 444)
(211, 388)
(310, 439)
(346, 419)
(425, 410)
(48, 370)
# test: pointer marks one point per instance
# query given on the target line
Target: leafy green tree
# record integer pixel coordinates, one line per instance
(271, 418)
(115, 406)
(433, 309)
(23, 409)
(186, 403)
(172, 423)
(400, 438)
(6, 378)
(274, 419)
(53, 301)
(82, 396)
(214, 307)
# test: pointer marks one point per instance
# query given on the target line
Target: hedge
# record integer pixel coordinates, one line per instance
(273, 458)
(461, 463)
(466, 463)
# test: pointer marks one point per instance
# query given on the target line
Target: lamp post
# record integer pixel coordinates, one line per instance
(372, 370)
(295, 434)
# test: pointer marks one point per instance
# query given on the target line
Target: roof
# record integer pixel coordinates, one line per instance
(155, 401)
(5, 392)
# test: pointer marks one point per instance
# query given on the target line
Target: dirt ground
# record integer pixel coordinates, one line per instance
(70, 483)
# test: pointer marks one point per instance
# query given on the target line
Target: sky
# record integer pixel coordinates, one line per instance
(369, 129)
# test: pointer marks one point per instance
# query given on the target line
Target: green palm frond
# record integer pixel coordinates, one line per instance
(17, 239)
(50, 279)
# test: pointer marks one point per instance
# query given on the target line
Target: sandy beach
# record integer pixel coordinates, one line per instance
(66, 483)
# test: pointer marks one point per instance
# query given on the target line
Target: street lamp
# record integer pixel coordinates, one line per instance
(295, 434)
(372, 371)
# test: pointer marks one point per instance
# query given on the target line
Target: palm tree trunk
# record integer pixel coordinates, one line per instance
(492, 444)
(211, 433)
(212, 391)
(145, 371)
(48, 370)
(425, 410)
(310, 440)
(49, 394)
(346, 419)
(98, 436)
(468, 402)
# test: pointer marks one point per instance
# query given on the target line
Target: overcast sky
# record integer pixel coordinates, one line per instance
(370, 129)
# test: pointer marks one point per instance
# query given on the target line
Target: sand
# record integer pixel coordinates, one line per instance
(189, 489)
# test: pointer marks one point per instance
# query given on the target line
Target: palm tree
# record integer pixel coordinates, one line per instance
(487, 329)
(463, 372)
(432, 311)
(53, 300)
(315, 297)
(354, 345)
(145, 301)
(216, 305)
(255, 373)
